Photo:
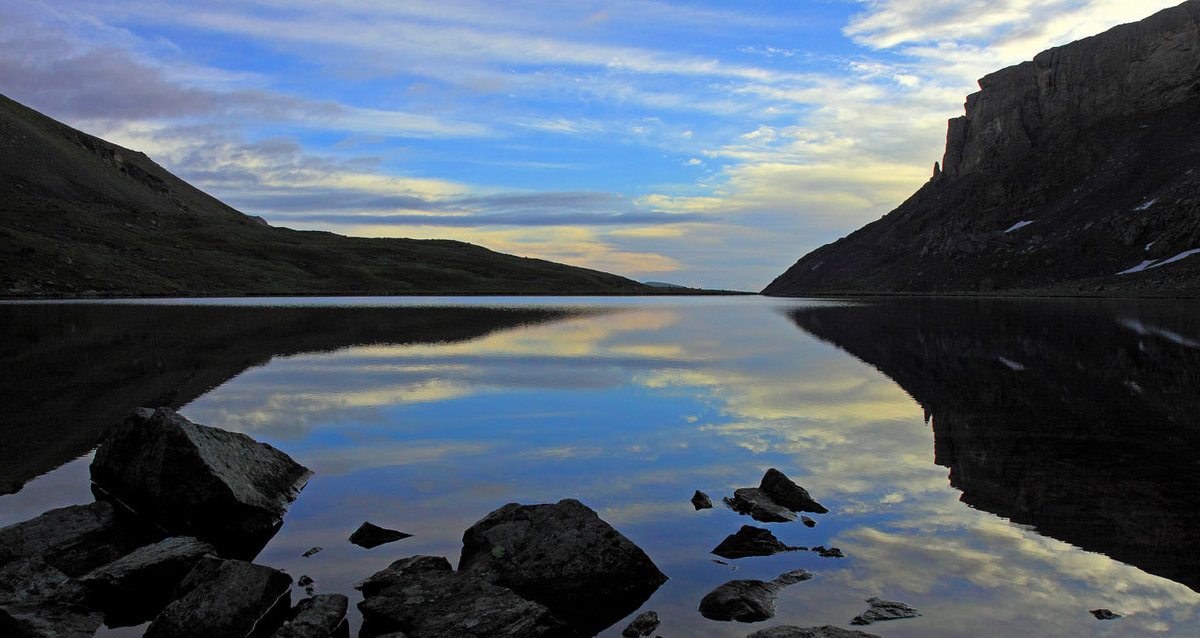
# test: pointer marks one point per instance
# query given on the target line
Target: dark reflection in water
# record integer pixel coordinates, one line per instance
(1085, 425)
(70, 371)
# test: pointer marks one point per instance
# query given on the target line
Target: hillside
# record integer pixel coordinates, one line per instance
(1065, 172)
(82, 217)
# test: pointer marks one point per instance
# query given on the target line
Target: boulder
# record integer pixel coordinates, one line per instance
(755, 503)
(136, 587)
(321, 616)
(779, 488)
(73, 539)
(701, 501)
(195, 480)
(226, 598)
(884, 610)
(370, 535)
(420, 596)
(643, 625)
(747, 600)
(751, 541)
(825, 631)
(564, 556)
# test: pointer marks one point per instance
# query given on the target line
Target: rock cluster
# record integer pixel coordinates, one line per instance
(777, 499)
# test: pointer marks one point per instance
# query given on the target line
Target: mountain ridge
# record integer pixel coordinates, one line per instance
(80, 216)
(1066, 173)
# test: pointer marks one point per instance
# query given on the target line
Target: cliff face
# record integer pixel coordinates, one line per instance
(1065, 171)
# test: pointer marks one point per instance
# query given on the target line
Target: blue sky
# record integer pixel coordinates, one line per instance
(703, 143)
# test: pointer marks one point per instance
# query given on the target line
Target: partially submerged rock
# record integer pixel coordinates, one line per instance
(701, 501)
(1105, 614)
(136, 587)
(782, 490)
(370, 535)
(825, 631)
(421, 596)
(643, 625)
(226, 598)
(196, 480)
(748, 600)
(751, 541)
(828, 552)
(563, 556)
(880, 610)
(808, 522)
(321, 616)
(755, 503)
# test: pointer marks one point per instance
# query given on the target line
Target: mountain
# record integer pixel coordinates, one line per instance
(1066, 171)
(80, 216)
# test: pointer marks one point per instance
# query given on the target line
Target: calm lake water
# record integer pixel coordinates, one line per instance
(1002, 466)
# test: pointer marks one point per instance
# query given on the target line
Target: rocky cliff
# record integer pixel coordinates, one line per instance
(1077, 172)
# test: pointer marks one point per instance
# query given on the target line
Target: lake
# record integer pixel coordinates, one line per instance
(1004, 466)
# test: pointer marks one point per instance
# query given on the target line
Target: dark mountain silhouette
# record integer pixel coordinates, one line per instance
(70, 371)
(1078, 418)
(81, 216)
(1065, 171)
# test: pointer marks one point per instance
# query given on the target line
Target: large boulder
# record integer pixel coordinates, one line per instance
(747, 600)
(321, 616)
(201, 481)
(421, 596)
(136, 587)
(563, 556)
(226, 598)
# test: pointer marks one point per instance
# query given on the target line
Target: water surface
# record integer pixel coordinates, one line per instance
(1003, 466)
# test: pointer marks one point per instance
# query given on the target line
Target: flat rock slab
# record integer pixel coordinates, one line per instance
(136, 587)
(643, 625)
(226, 598)
(564, 556)
(884, 610)
(370, 535)
(748, 600)
(195, 480)
(751, 541)
(321, 616)
(420, 597)
(825, 631)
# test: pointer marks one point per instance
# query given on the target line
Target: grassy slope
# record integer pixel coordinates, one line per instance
(81, 216)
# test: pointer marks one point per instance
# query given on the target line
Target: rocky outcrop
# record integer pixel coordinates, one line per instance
(1065, 171)
(564, 556)
(748, 600)
(226, 598)
(221, 486)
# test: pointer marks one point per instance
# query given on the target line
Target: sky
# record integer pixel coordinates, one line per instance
(701, 143)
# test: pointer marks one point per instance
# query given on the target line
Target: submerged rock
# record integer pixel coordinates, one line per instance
(370, 535)
(825, 631)
(701, 501)
(782, 490)
(563, 556)
(751, 541)
(1105, 614)
(755, 503)
(747, 600)
(191, 479)
(884, 610)
(421, 596)
(136, 587)
(643, 625)
(226, 598)
(321, 616)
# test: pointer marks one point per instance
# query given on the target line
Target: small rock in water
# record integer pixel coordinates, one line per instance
(643, 625)
(884, 610)
(747, 600)
(782, 490)
(825, 631)
(831, 552)
(751, 541)
(369, 535)
(808, 522)
(312, 551)
(1105, 614)
(759, 506)
(701, 501)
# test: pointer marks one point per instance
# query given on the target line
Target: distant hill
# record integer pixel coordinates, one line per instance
(80, 216)
(1065, 172)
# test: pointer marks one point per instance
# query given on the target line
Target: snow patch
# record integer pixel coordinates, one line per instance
(1146, 205)
(1019, 225)
(1013, 365)
(1153, 331)
(1138, 268)
(1149, 245)
(1183, 255)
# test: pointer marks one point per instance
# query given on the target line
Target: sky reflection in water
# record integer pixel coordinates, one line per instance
(632, 409)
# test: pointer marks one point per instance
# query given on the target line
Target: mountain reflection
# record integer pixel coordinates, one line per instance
(1082, 424)
(69, 371)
